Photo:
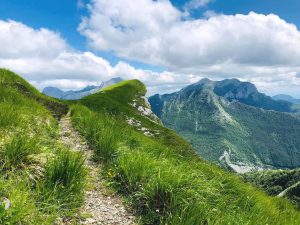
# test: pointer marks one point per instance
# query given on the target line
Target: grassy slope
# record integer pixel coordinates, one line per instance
(30, 155)
(162, 177)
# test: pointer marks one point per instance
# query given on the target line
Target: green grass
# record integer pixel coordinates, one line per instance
(39, 191)
(162, 177)
(103, 137)
(20, 208)
(15, 154)
(64, 181)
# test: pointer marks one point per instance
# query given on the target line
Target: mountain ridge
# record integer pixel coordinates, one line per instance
(286, 98)
(215, 118)
(77, 94)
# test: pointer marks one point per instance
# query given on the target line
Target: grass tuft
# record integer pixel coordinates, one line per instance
(15, 154)
(64, 181)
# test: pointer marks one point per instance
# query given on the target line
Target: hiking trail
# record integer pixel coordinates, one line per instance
(102, 206)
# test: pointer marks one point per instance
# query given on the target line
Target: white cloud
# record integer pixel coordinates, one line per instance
(210, 13)
(44, 58)
(27, 41)
(263, 49)
(155, 32)
(159, 36)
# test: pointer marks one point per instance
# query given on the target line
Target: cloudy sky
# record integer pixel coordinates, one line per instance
(165, 43)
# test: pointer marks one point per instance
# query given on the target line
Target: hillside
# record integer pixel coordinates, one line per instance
(48, 175)
(283, 183)
(34, 187)
(225, 130)
(159, 174)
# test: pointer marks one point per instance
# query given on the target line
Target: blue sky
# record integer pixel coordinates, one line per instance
(64, 17)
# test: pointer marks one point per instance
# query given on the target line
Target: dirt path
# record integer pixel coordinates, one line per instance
(102, 206)
(283, 193)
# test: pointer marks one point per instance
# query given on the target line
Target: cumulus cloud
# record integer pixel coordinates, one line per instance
(243, 46)
(263, 49)
(160, 36)
(45, 59)
(27, 41)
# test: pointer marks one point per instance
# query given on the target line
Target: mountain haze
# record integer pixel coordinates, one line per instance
(287, 98)
(74, 95)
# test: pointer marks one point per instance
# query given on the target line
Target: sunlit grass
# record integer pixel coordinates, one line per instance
(64, 181)
(166, 186)
(15, 154)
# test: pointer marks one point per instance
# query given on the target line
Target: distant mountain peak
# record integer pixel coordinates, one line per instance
(116, 79)
(235, 89)
(73, 95)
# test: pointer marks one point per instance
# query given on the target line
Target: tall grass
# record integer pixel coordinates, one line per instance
(8, 115)
(103, 137)
(64, 181)
(15, 154)
(36, 194)
(17, 205)
(167, 187)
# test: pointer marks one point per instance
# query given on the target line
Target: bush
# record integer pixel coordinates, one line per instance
(64, 181)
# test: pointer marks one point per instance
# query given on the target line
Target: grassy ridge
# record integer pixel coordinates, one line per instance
(162, 177)
(39, 180)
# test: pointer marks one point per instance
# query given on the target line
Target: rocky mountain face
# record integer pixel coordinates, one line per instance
(231, 123)
(73, 95)
(231, 90)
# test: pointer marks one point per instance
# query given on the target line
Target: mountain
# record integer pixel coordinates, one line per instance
(232, 90)
(73, 95)
(287, 98)
(227, 123)
(157, 171)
